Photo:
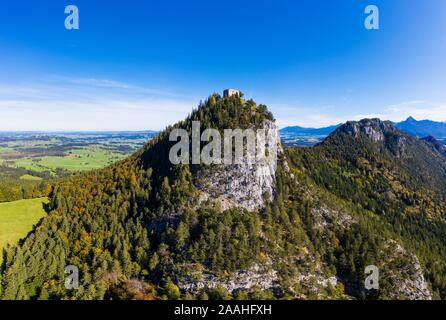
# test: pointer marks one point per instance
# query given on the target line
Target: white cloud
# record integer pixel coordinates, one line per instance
(316, 117)
(100, 83)
(89, 104)
(306, 116)
(112, 84)
(100, 104)
(419, 109)
(98, 115)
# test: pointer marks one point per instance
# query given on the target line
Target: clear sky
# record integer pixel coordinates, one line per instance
(136, 65)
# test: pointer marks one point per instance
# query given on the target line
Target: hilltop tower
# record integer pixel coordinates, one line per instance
(231, 92)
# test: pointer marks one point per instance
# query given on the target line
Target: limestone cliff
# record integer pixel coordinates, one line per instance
(246, 185)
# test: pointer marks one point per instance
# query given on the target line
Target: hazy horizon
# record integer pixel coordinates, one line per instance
(157, 131)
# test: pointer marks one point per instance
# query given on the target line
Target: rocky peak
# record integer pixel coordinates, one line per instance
(374, 129)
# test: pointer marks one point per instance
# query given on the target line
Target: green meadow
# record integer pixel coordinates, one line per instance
(29, 177)
(82, 159)
(18, 218)
(59, 155)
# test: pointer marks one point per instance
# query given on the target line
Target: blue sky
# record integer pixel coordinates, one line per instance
(136, 65)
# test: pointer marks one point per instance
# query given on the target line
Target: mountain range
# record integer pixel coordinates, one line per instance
(309, 226)
(301, 131)
(411, 126)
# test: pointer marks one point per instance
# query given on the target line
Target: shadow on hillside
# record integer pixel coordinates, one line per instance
(46, 207)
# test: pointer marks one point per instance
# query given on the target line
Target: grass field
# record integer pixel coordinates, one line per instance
(29, 177)
(49, 155)
(18, 218)
(6, 149)
(82, 159)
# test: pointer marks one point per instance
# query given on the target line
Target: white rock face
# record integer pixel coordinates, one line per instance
(255, 277)
(409, 281)
(372, 128)
(415, 287)
(243, 185)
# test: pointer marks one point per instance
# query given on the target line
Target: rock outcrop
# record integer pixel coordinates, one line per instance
(436, 145)
(260, 277)
(247, 185)
(375, 129)
(407, 279)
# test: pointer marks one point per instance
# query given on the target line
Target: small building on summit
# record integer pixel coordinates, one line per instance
(231, 92)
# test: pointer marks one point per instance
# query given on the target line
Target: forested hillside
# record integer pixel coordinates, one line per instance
(13, 187)
(139, 229)
(398, 178)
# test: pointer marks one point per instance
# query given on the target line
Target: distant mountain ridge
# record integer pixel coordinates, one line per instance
(423, 128)
(419, 129)
(309, 131)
